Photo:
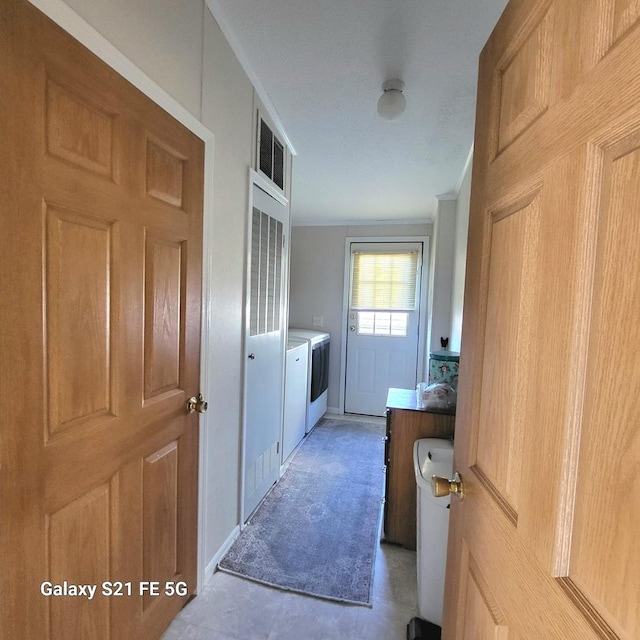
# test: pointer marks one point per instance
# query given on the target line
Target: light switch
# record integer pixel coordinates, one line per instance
(318, 321)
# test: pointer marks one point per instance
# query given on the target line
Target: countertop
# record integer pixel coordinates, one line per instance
(406, 399)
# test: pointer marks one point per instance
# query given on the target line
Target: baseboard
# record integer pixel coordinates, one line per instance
(210, 569)
(335, 411)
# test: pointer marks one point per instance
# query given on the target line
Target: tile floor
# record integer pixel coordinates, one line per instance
(231, 608)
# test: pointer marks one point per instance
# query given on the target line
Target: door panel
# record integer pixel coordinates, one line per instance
(483, 620)
(165, 168)
(548, 410)
(79, 132)
(84, 520)
(524, 81)
(79, 344)
(264, 348)
(500, 430)
(160, 516)
(371, 371)
(163, 316)
(101, 238)
(615, 307)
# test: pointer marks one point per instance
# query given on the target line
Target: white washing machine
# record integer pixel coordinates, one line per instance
(318, 372)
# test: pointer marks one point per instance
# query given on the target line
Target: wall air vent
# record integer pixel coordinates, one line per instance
(265, 149)
(278, 163)
(270, 154)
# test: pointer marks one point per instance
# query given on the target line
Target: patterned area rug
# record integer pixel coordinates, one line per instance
(317, 531)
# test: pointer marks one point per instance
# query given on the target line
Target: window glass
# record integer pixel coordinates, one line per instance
(382, 323)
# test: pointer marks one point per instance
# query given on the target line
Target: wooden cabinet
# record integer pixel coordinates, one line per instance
(406, 423)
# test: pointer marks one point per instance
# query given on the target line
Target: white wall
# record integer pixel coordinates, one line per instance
(460, 259)
(443, 259)
(162, 37)
(167, 40)
(317, 281)
(228, 111)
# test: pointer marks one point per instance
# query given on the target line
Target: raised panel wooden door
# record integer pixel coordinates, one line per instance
(101, 293)
(544, 544)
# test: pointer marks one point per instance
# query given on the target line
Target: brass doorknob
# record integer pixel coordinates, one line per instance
(197, 403)
(441, 487)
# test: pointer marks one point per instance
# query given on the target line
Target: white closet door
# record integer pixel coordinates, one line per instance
(264, 348)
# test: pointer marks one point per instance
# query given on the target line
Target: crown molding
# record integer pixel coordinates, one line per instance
(362, 223)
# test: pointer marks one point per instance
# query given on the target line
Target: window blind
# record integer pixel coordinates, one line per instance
(384, 280)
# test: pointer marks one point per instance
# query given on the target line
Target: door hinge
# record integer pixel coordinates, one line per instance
(278, 447)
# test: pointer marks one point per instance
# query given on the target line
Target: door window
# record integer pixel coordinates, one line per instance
(383, 323)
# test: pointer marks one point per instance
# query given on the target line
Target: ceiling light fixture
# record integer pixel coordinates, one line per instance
(392, 102)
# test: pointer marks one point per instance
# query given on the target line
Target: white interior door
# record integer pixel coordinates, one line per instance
(383, 323)
(264, 349)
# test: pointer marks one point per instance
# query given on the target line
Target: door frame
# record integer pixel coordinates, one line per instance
(84, 33)
(257, 180)
(422, 320)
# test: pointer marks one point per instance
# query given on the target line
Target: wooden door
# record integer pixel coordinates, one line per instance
(544, 545)
(101, 219)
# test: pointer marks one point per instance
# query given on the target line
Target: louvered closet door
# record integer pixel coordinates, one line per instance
(264, 340)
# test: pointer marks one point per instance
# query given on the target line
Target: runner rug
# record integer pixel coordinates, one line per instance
(317, 531)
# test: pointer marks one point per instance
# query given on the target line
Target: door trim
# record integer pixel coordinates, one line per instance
(345, 302)
(267, 187)
(84, 33)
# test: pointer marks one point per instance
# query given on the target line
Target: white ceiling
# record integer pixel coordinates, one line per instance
(322, 64)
